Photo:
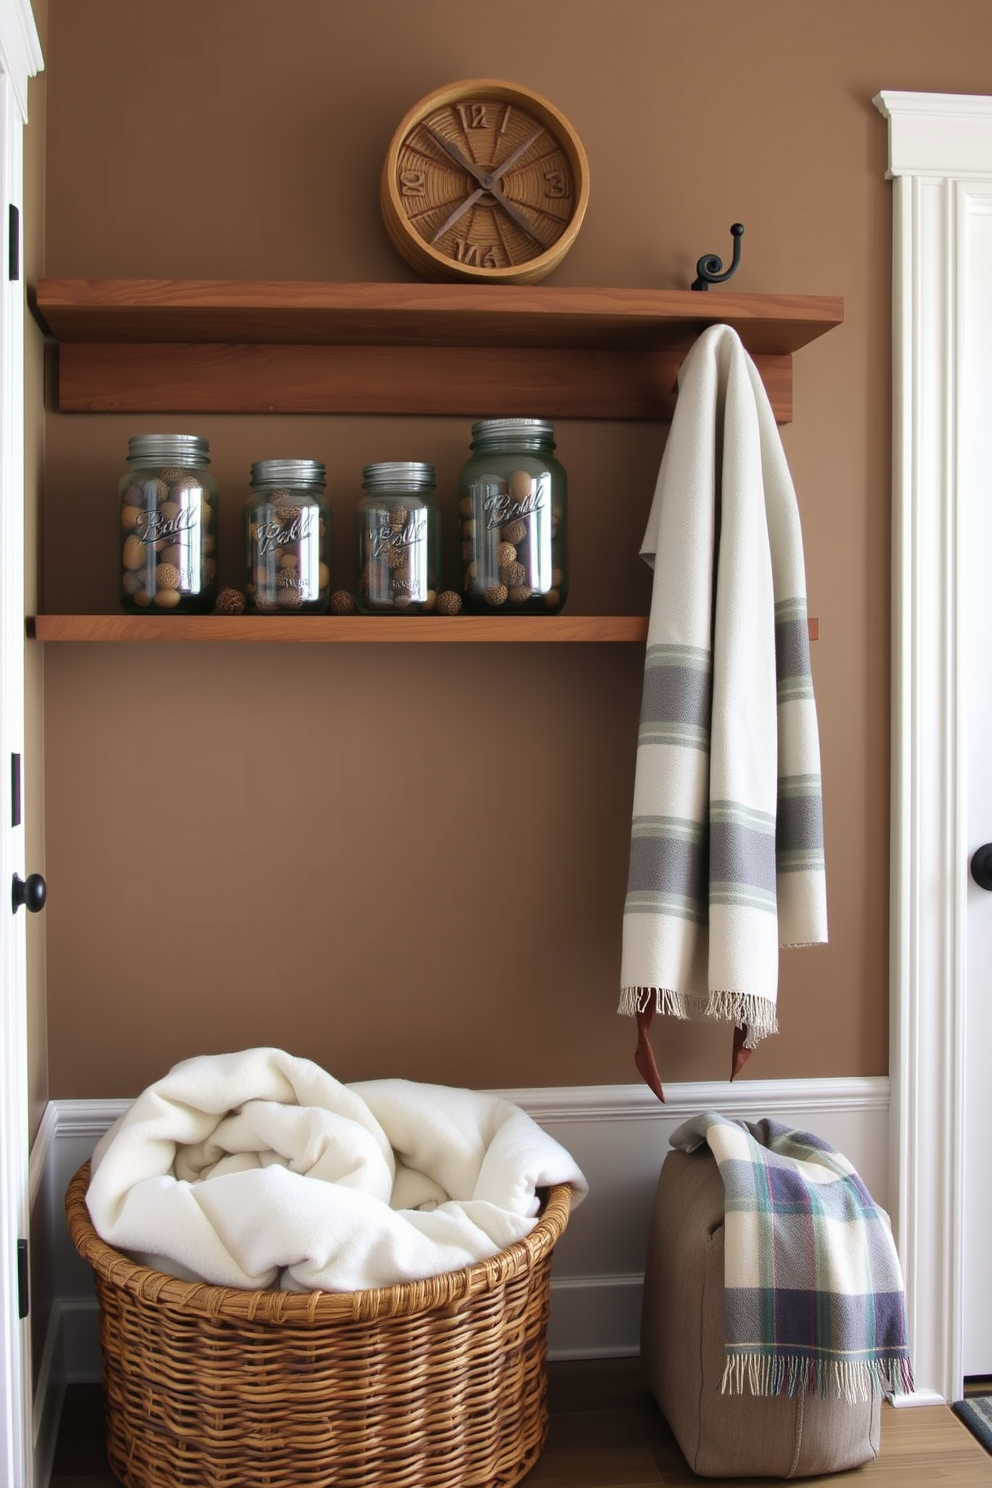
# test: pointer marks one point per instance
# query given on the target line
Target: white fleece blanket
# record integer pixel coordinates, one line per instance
(259, 1169)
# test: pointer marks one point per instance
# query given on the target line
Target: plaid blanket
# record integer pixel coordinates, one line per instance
(813, 1287)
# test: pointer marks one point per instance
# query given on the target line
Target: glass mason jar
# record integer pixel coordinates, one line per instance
(399, 539)
(168, 525)
(513, 505)
(287, 539)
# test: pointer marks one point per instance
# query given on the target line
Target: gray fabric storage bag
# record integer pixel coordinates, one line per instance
(682, 1349)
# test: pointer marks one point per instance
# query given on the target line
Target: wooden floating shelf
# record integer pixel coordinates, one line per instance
(231, 346)
(337, 629)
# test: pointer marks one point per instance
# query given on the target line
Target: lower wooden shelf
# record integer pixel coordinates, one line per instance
(337, 629)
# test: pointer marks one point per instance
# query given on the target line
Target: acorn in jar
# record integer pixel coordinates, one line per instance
(399, 539)
(513, 511)
(168, 525)
(287, 539)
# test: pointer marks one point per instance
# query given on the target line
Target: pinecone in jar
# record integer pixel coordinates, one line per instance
(182, 487)
(167, 576)
(156, 491)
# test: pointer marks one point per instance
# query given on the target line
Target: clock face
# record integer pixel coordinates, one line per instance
(484, 181)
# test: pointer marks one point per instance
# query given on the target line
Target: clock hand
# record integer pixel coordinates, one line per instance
(484, 178)
(515, 213)
(458, 212)
(512, 159)
(488, 182)
(450, 148)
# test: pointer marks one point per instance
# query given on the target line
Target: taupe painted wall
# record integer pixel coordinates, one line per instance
(412, 861)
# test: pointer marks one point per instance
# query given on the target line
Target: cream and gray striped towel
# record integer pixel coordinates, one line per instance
(726, 860)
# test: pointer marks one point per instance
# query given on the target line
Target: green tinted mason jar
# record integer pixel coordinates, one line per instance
(168, 525)
(287, 539)
(513, 507)
(399, 539)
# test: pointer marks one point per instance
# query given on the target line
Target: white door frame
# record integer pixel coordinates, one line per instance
(940, 161)
(20, 59)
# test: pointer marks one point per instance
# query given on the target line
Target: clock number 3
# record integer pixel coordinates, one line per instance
(555, 184)
(413, 183)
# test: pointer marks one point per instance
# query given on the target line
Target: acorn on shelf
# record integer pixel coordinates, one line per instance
(230, 602)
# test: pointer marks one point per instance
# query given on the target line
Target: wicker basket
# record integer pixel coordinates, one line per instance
(429, 1384)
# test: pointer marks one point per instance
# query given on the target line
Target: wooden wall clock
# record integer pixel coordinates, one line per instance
(484, 181)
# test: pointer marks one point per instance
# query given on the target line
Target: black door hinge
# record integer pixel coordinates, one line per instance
(15, 790)
(23, 1296)
(13, 243)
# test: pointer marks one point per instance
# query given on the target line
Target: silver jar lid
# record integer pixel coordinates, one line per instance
(407, 475)
(507, 428)
(288, 472)
(168, 449)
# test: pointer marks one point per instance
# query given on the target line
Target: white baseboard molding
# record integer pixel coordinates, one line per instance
(918, 1397)
(617, 1133)
(603, 1312)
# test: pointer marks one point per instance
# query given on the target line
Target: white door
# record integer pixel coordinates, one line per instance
(15, 1466)
(20, 57)
(976, 490)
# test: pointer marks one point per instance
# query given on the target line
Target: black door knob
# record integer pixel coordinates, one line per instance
(981, 866)
(30, 891)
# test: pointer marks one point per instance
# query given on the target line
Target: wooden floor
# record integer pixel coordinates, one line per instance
(606, 1432)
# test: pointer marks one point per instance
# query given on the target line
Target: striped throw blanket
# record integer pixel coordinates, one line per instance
(813, 1289)
(726, 858)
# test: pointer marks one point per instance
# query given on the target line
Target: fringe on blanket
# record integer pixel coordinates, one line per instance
(851, 1380)
(755, 1014)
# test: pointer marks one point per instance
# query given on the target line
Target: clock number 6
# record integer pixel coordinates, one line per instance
(468, 253)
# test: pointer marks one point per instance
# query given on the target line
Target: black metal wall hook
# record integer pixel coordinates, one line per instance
(710, 269)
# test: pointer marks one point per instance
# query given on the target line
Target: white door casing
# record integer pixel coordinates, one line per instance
(940, 161)
(976, 488)
(20, 58)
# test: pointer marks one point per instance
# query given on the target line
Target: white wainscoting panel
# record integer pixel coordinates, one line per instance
(617, 1133)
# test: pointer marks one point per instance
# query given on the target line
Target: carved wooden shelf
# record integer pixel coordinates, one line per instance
(344, 629)
(229, 346)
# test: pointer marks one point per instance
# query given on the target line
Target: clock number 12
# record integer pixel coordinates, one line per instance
(473, 115)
